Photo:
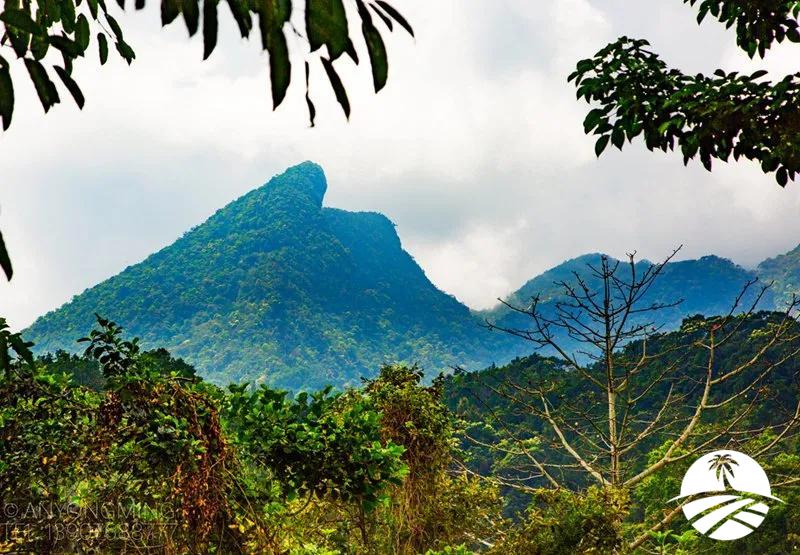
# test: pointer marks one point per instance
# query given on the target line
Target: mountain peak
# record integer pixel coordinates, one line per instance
(306, 178)
(274, 288)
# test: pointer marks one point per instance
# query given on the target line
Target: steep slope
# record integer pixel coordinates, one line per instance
(274, 287)
(784, 270)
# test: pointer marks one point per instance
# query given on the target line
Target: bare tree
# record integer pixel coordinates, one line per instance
(625, 387)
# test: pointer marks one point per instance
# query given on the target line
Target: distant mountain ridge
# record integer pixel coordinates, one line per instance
(274, 287)
(706, 286)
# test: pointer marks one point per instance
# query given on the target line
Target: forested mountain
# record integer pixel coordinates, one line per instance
(784, 270)
(709, 286)
(275, 287)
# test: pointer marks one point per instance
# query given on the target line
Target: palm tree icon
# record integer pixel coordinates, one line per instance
(722, 464)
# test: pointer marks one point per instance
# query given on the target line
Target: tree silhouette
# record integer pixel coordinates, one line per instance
(723, 465)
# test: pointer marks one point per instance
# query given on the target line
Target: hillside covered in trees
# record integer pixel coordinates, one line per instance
(278, 289)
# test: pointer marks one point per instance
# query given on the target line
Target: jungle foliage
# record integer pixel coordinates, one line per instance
(509, 440)
(179, 465)
(155, 459)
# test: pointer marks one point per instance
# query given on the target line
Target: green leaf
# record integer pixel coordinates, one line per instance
(280, 67)
(242, 17)
(22, 21)
(125, 51)
(82, 32)
(45, 88)
(782, 177)
(71, 85)
(618, 137)
(102, 46)
(326, 24)
(209, 27)
(115, 28)
(6, 97)
(601, 145)
(191, 15)
(39, 47)
(593, 119)
(68, 16)
(93, 4)
(170, 10)
(338, 87)
(394, 14)
(351, 51)
(375, 47)
(68, 46)
(19, 41)
(383, 16)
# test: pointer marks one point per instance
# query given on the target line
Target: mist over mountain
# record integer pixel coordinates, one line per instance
(276, 288)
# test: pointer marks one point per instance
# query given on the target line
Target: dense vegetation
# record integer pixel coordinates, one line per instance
(149, 458)
(277, 289)
(120, 448)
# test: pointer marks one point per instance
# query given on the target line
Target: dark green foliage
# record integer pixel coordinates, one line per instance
(276, 288)
(759, 23)
(315, 444)
(67, 26)
(12, 347)
(436, 504)
(202, 470)
(561, 521)
(713, 118)
(710, 117)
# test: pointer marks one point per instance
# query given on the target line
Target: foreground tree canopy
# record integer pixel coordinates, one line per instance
(53, 34)
(713, 117)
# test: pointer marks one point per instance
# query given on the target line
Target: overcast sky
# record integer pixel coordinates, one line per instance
(475, 149)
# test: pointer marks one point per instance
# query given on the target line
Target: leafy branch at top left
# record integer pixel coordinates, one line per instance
(33, 30)
(47, 37)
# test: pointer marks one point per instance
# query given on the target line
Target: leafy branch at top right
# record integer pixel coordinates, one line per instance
(717, 117)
